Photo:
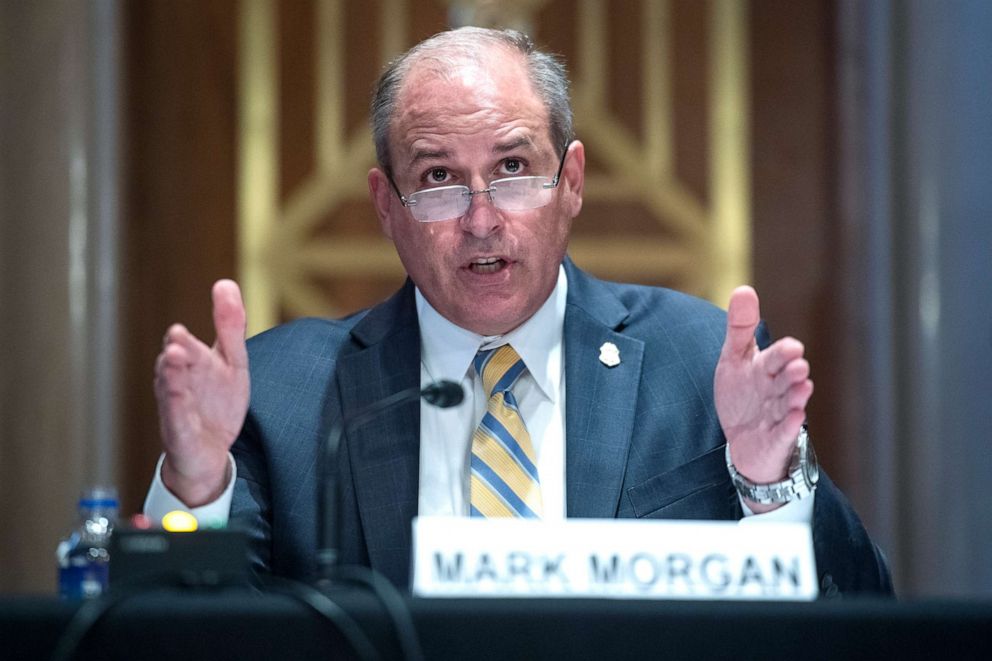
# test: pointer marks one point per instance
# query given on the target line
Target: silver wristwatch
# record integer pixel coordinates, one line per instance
(804, 473)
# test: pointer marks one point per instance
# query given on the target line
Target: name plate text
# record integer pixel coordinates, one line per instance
(635, 559)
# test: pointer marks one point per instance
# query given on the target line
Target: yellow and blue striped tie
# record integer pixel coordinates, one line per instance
(504, 466)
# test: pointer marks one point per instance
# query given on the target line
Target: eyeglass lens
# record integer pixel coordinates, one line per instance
(512, 194)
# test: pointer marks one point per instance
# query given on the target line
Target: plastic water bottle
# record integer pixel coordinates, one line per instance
(83, 557)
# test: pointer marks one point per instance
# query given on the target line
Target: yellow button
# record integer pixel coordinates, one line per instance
(179, 521)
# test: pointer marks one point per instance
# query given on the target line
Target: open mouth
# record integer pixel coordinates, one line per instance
(485, 265)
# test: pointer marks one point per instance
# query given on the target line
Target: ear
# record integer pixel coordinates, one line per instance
(383, 197)
(574, 175)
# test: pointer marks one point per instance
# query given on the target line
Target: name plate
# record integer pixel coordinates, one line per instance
(610, 558)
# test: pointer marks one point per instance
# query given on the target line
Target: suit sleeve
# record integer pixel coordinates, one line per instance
(847, 560)
(251, 507)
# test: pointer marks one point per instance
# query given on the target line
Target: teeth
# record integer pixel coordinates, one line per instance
(486, 265)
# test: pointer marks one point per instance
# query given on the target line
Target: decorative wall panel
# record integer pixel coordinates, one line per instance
(660, 96)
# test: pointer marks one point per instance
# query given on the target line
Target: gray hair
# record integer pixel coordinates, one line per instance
(546, 71)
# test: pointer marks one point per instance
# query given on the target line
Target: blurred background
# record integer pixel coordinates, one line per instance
(836, 154)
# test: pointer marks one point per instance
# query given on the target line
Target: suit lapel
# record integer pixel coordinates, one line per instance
(600, 401)
(385, 453)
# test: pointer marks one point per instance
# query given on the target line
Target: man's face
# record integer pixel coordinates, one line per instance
(491, 269)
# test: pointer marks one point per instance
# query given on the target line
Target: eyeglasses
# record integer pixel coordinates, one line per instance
(510, 194)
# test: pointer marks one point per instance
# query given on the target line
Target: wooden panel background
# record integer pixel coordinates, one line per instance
(793, 161)
(182, 63)
(179, 210)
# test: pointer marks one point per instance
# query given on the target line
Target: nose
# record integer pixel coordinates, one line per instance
(482, 218)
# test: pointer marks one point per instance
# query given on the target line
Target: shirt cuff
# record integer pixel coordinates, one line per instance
(160, 501)
(796, 511)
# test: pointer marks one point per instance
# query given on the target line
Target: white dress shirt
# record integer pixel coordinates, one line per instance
(447, 351)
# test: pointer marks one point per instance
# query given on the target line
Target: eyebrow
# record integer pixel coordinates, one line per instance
(441, 154)
(426, 154)
(513, 145)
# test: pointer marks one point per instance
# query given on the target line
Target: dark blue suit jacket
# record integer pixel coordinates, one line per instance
(642, 438)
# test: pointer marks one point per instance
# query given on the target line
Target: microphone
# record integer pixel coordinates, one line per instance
(442, 394)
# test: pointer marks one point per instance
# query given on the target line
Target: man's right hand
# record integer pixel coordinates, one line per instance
(202, 395)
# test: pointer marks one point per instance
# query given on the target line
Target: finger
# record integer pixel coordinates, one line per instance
(780, 354)
(172, 371)
(743, 315)
(798, 396)
(159, 382)
(796, 371)
(230, 322)
(174, 333)
(179, 335)
(792, 401)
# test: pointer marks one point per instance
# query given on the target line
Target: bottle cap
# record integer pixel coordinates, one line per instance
(98, 496)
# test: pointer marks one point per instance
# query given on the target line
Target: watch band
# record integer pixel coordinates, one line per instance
(800, 483)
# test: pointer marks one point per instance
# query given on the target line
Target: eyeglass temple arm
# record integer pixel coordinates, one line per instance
(561, 165)
(397, 189)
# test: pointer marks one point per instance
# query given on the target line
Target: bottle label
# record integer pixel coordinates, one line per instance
(84, 580)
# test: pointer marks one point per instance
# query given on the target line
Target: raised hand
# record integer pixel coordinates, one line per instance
(760, 396)
(202, 395)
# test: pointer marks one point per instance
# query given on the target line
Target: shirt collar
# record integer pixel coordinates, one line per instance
(447, 350)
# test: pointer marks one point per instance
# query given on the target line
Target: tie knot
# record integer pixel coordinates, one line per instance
(499, 368)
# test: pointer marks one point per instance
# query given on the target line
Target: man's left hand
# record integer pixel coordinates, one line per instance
(760, 395)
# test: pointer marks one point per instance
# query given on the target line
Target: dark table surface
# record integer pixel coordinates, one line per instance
(238, 623)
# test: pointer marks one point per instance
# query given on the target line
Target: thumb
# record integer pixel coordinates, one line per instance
(230, 321)
(743, 316)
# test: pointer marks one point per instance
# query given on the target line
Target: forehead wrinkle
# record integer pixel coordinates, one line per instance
(437, 109)
(428, 154)
(424, 128)
(514, 144)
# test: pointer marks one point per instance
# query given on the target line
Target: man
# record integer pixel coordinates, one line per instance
(624, 396)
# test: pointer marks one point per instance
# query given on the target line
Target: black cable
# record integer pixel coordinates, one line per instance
(326, 608)
(392, 601)
(93, 611)
(85, 618)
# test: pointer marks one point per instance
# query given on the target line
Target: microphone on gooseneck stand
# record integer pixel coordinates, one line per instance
(443, 394)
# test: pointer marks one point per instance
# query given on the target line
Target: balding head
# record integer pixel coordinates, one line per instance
(446, 52)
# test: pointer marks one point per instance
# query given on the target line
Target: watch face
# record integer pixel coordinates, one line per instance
(811, 468)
